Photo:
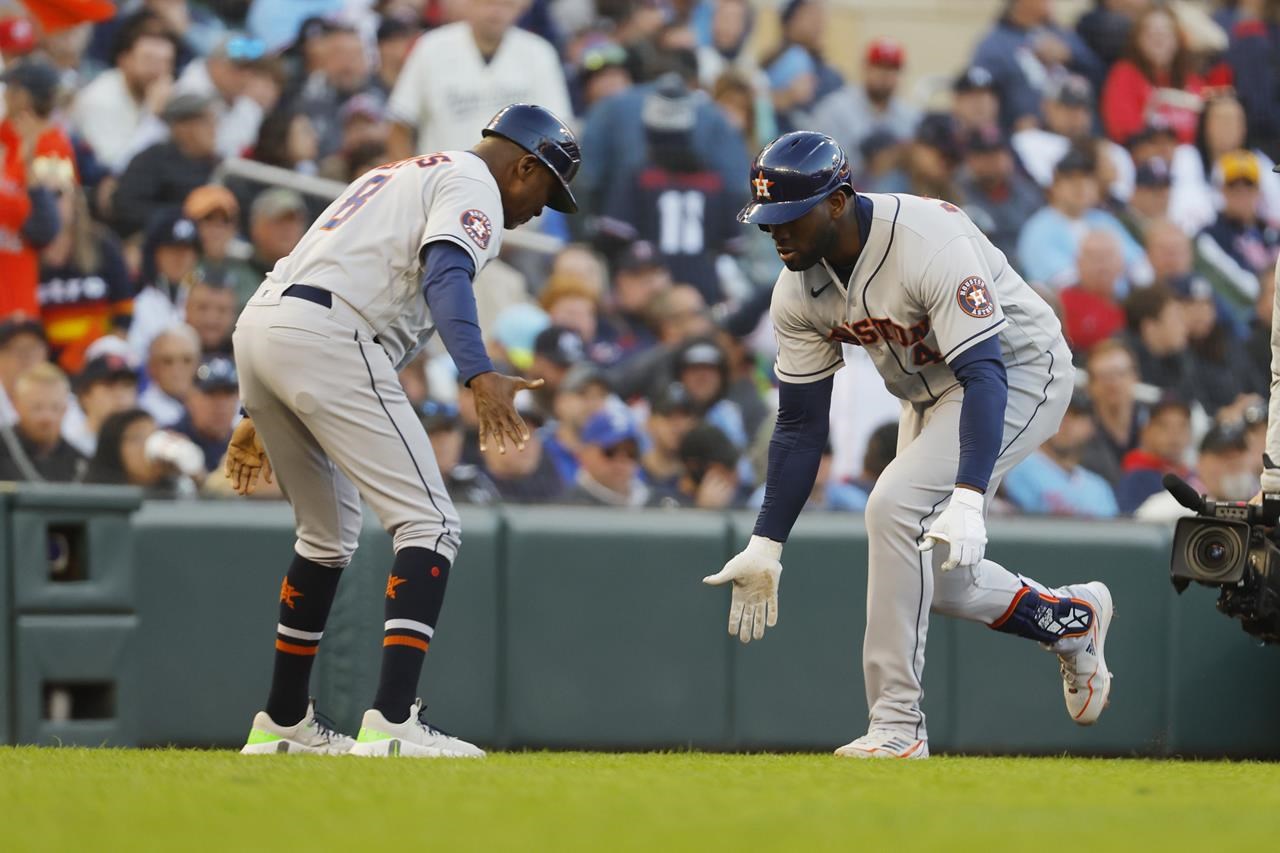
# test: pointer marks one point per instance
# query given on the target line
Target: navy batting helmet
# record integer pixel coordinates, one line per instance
(792, 174)
(546, 137)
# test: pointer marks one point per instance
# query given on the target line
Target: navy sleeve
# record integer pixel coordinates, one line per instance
(980, 370)
(447, 272)
(43, 223)
(804, 415)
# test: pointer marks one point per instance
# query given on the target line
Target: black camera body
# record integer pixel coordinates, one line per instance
(1229, 545)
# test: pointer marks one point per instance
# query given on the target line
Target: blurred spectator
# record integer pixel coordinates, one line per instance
(883, 164)
(287, 139)
(932, 158)
(158, 180)
(211, 311)
(603, 71)
(132, 452)
(1090, 311)
(33, 449)
(581, 261)
(344, 72)
(1169, 252)
(610, 471)
(171, 371)
(1106, 27)
(277, 221)
(212, 405)
(1157, 334)
(107, 385)
(524, 476)
(235, 78)
(975, 102)
(395, 37)
(675, 201)
(459, 75)
(168, 268)
(882, 447)
(466, 484)
(1251, 55)
(1239, 245)
(798, 74)
(743, 389)
(747, 114)
(1223, 372)
(1258, 342)
(1221, 131)
(710, 461)
(1049, 242)
(639, 279)
(556, 349)
(29, 173)
(216, 213)
(1112, 381)
(1224, 470)
(702, 368)
(581, 395)
(1068, 121)
(1155, 77)
(998, 198)
(1150, 200)
(852, 113)
(85, 289)
(1163, 444)
(22, 347)
(363, 131)
(1052, 481)
(1024, 50)
(109, 111)
(671, 417)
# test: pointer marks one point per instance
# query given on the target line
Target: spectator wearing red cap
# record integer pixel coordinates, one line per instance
(852, 113)
(1155, 77)
(1089, 307)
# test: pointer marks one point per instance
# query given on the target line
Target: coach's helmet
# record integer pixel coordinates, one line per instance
(538, 131)
(792, 174)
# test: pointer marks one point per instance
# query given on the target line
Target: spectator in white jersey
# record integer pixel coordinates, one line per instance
(171, 371)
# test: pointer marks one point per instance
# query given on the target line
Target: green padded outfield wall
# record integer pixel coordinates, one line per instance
(573, 628)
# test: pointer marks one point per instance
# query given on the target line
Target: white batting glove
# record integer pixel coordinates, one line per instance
(754, 574)
(962, 526)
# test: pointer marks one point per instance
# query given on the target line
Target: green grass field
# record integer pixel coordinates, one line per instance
(102, 800)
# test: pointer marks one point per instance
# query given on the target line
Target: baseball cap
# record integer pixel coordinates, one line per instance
(217, 373)
(393, 27)
(210, 198)
(984, 140)
(278, 202)
(1224, 438)
(20, 324)
(1153, 172)
(702, 354)
(1240, 166)
(242, 49)
(640, 255)
(186, 105)
(670, 107)
(560, 345)
(104, 368)
(1070, 90)
(938, 130)
(974, 79)
(17, 36)
(582, 376)
(363, 105)
(436, 416)
(886, 53)
(601, 54)
(1157, 126)
(517, 327)
(37, 76)
(1076, 161)
(173, 230)
(877, 141)
(609, 428)
(671, 399)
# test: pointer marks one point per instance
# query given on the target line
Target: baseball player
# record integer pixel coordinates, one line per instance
(979, 362)
(318, 346)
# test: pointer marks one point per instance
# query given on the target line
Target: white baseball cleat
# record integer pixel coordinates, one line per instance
(311, 734)
(414, 738)
(885, 744)
(1086, 681)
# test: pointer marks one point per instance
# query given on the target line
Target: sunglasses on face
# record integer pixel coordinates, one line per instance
(168, 360)
(626, 450)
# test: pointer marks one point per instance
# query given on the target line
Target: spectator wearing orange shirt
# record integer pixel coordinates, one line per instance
(1154, 78)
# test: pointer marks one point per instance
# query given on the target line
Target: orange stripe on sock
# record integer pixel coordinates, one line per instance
(1004, 617)
(420, 645)
(295, 649)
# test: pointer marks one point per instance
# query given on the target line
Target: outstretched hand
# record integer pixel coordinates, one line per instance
(496, 409)
(246, 459)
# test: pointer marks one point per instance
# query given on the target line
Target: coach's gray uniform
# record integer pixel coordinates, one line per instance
(320, 383)
(927, 286)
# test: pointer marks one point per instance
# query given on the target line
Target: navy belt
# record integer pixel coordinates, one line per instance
(312, 294)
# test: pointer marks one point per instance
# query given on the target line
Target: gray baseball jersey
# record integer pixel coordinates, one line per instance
(927, 286)
(320, 380)
(366, 246)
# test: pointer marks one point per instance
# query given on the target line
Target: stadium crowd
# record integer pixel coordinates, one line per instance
(1123, 165)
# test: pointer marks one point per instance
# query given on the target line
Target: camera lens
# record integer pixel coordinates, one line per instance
(1213, 551)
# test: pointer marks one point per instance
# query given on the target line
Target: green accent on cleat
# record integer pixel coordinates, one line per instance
(371, 735)
(259, 736)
